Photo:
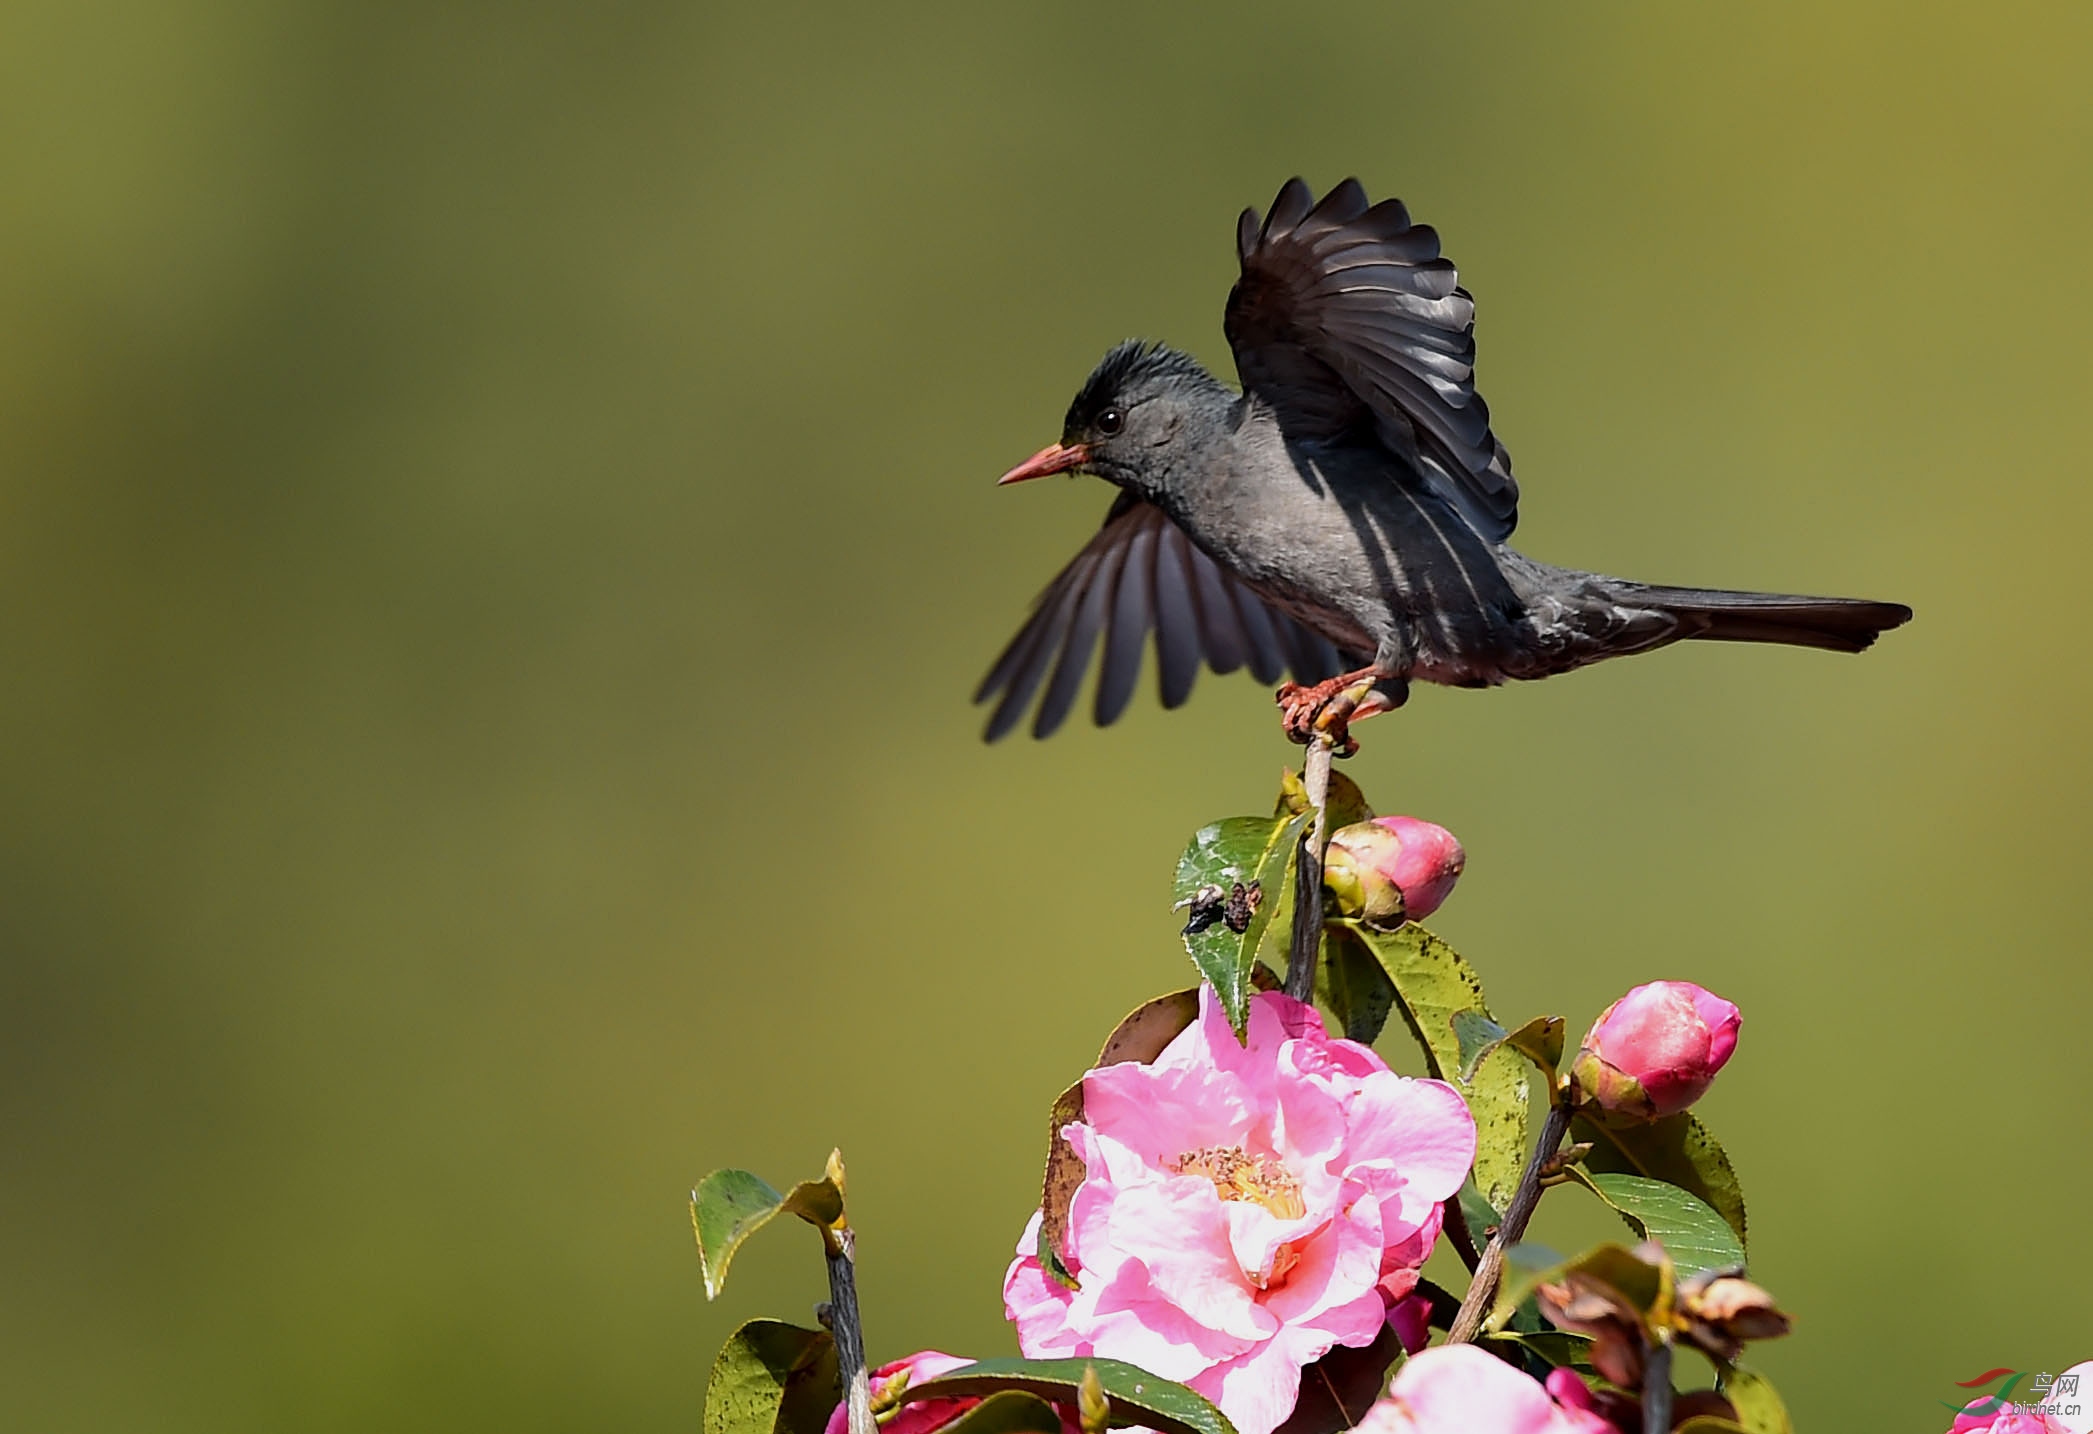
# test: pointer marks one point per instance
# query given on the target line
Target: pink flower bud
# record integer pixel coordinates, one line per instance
(1390, 869)
(890, 1382)
(890, 1385)
(1656, 1050)
(1410, 1319)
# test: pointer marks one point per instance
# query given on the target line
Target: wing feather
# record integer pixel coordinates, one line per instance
(1219, 627)
(1133, 610)
(1141, 575)
(1041, 636)
(1082, 637)
(1261, 634)
(1177, 623)
(1347, 314)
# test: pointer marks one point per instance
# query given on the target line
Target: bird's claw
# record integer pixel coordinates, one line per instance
(1324, 710)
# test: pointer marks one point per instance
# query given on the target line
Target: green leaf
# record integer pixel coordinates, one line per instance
(1475, 1036)
(1137, 1397)
(1140, 1035)
(772, 1378)
(1709, 1424)
(1346, 802)
(1353, 987)
(1433, 985)
(1012, 1411)
(1692, 1233)
(1540, 1040)
(1497, 1097)
(1480, 1214)
(1648, 1287)
(1558, 1348)
(1275, 949)
(1526, 1265)
(1255, 851)
(1677, 1149)
(730, 1205)
(1759, 1408)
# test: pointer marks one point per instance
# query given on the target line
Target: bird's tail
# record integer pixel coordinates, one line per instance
(1835, 624)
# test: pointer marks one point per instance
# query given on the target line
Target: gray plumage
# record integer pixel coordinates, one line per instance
(1346, 512)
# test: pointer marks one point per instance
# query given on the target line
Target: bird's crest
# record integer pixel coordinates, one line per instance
(1126, 366)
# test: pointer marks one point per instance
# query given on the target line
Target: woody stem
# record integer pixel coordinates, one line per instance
(840, 1245)
(1308, 874)
(1482, 1290)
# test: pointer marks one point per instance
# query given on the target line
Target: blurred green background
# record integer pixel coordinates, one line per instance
(497, 535)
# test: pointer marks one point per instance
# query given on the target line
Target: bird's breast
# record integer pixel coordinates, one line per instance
(1378, 565)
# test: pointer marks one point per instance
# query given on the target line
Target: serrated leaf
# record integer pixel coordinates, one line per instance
(1433, 984)
(1253, 851)
(1141, 1035)
(1011, 1411)
(1137, 1397)
(1677, 1149)
(1694, 1235)
(1275, 949)
(1498, 1097)
(772, 1378)
(728, 1206)
(1540, 1040)
(1352, 986)
(1751, 1394)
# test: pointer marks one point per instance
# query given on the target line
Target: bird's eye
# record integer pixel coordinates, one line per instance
(1110, 422)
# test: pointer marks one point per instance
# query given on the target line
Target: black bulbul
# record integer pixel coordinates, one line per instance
(1344, 516)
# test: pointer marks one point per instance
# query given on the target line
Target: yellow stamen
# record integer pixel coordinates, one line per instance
(1238, 1175)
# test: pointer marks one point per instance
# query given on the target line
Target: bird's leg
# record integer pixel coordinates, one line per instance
(1331, 706)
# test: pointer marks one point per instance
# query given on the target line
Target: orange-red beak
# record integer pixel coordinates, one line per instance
(1054, 458)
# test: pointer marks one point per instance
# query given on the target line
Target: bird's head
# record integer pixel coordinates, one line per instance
(1136, 422)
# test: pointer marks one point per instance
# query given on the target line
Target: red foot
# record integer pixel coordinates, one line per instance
(1329, 707)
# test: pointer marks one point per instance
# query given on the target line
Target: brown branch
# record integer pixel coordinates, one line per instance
(840, 1244)
(1483, 1289)
(1308, 874)
(1656, 1389)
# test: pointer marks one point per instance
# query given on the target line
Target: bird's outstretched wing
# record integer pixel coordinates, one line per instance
(1347, 313)
(1141, 573)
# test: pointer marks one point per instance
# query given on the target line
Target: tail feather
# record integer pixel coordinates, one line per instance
(1714, 615)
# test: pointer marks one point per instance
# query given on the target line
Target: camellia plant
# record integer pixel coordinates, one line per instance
(1239, 1198)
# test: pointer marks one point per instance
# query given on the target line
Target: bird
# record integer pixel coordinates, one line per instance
(1344, 516)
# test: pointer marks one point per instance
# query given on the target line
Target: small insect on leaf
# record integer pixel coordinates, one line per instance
(1203, 908)
(1241, 905)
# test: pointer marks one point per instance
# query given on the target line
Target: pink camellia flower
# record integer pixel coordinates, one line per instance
(1459, 1389)
(1656, 1050)
(889, 1381)
(1244, 1208)
(1993, 1416)
(1392, 868)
